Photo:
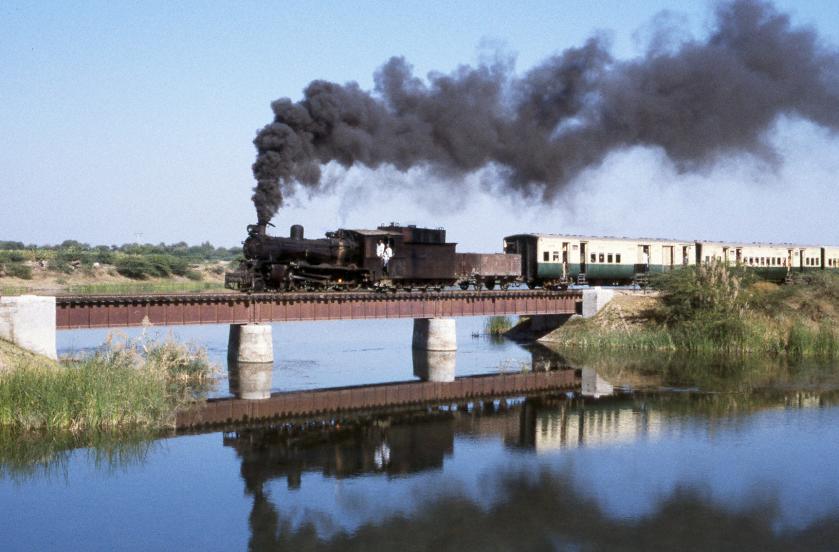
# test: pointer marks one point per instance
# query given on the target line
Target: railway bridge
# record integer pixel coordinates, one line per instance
(32, 321)
(116, 311)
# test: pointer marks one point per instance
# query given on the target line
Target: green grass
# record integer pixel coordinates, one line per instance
(148, 287)
(132, 383)
(497, 325)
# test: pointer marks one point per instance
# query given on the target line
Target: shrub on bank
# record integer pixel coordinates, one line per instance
(498, 325)
(716, 308)
(16, 270)
(130, 383)
(141, 267)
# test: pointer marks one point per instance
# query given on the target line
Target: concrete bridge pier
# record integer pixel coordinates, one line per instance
(435, 334)
(250, 343)
(250, 361)
(434, 345)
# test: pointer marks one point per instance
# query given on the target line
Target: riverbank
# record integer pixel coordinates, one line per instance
(139, 383)
(716, 309)
(80, 268)
(103, 280)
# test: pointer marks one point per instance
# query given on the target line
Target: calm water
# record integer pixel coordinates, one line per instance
(310, 355)
(693, 454)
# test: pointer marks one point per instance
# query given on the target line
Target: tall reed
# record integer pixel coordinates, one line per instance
(138, 383)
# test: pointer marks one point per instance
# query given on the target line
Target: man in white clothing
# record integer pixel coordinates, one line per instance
(386, 256)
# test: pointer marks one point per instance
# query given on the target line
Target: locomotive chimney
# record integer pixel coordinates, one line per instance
(257, 229)
(296, 232)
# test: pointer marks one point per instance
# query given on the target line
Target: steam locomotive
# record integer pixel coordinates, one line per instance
(348, 259)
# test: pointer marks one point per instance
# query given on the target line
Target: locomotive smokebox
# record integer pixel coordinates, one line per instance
(296, 232)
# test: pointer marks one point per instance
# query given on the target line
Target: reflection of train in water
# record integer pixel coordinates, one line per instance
(395, 257)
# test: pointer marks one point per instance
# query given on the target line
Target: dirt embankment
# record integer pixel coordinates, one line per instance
(628, 310)
(12, 356)
(44, 280)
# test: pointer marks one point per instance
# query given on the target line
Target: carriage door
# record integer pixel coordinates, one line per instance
(583, 247)
(643, 260)
(789, 259)
(685, 255)
(801, 260)
(725, 256)
(738, 255)
(565, 259)
(667, 254)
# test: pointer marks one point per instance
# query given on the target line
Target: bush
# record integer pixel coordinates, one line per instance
(12, 257)
(704, 305)
(17, 270)
(709, 289)
(498, 325)
(135, 267)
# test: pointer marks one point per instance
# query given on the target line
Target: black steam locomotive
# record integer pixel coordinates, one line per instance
(351, 259)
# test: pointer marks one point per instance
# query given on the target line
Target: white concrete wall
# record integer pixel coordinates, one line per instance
(28, 321)
(595, 299)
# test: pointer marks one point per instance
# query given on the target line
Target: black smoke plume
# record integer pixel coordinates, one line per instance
(698, 101)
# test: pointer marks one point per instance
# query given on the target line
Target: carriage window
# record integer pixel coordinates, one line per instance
(609, 258)
(618, 258)
(601, 258)
(594, 257)
(556, 255)
(546, 256)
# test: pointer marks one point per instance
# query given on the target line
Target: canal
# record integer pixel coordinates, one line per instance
(687, 453)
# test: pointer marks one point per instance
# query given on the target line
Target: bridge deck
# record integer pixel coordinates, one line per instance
(238, 308)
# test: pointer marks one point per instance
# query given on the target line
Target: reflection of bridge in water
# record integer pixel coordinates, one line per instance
(420, 439)
(546, 373)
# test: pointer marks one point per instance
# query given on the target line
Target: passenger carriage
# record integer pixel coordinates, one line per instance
(559, 260)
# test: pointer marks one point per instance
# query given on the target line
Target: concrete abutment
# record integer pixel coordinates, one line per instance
(28, 321)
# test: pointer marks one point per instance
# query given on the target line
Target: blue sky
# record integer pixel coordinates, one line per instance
(121, 119)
